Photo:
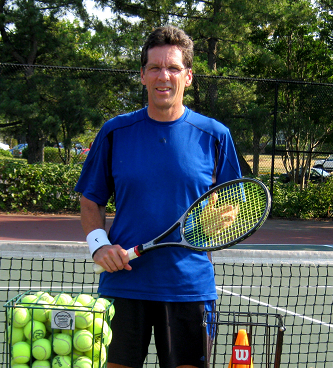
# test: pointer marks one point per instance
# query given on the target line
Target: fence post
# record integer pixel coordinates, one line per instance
(274, 138)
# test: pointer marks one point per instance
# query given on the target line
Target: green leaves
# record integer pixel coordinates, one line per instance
(315, 201)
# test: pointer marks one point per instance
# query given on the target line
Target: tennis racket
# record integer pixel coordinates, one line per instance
(222, 217)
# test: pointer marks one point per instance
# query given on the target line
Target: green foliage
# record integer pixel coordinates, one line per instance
(4, 153)
(316, 201)
(51, 155)
(39, 187)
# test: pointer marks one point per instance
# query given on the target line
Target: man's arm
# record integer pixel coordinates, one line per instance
(111, 257)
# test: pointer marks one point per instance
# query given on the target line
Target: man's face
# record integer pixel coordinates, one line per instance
(165, 77)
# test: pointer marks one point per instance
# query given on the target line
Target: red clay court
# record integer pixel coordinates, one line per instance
(68, 228)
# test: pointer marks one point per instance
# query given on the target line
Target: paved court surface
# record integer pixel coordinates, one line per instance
(68, 228)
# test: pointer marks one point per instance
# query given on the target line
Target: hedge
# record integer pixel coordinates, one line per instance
(43, 187)
(49, 187)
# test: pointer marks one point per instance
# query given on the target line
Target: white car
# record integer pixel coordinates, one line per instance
(326, 164)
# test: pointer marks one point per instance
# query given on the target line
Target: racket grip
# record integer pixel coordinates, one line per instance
(131, 253)
(98, 268)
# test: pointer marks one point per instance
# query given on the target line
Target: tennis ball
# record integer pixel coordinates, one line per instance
(41, 349)
(40, 311)
(45, 297)
(77, 354)
(21, 317)
(15, 335)
(21, 352)
(112, 311)
(13, 365)
(107, 304)
(104, 301)
(97, 309)
(63, 299)
(61, 361)
(100, 328)
(34, 330)
(83, 362)
(83, 340)
(97, 352)
(83, 319)
(29, 299)
(41, 364)
(62, 344)
(84, 299)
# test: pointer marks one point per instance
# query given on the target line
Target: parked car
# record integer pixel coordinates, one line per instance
(85, 151)
(17, 150)
(317, 175)
(326, 164)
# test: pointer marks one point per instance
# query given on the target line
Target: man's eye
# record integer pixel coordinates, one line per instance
(154, 69)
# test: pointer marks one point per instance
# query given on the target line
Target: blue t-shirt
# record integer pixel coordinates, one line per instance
(156, 170)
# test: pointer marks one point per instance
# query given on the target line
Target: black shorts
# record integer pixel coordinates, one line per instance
(177, 326)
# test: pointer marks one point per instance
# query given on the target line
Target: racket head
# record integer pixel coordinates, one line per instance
(248, 200)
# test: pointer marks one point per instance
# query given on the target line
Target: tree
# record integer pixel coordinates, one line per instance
(27, 34)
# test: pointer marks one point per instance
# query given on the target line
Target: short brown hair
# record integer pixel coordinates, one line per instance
(169, 35)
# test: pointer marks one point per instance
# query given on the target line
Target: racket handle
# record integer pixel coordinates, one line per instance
(131, 253)
(98, 268)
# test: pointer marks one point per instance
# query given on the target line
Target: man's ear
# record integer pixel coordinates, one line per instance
(142, 74)
(189, 78)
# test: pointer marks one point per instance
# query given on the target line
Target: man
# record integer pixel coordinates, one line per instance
(156, 162)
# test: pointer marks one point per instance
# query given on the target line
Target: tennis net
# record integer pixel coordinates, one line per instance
(296, 284)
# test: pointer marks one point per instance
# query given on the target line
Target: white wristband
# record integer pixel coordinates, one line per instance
(96, 239)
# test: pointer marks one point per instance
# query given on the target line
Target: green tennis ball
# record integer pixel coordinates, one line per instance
(100, 329)
(21, 352)
(63, 299)
(77, 354)
(29, 299)
(62, 344)
(40, 311)
(61, 361)
(15, 335)
(21, 317)
(19, 365)
(108, 306)
(97, 352)
(34, 330)
(41, 349)
(104, 301)
(83, 340)
(97, 309)
(41, 364)
(83, 362)
(84, 299)
(45, 297)
(83, 319)
(112, 311)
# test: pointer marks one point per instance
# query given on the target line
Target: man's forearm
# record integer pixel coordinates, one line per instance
(92, 215)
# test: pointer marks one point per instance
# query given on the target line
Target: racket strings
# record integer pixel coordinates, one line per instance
(226, 215)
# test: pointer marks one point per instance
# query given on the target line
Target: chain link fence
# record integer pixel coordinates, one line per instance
(279, 127)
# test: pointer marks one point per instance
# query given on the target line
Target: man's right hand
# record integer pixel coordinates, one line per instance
(112, 258)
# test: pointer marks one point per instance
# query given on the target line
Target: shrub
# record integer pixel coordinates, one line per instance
(315, 201)
(44, 187)
(4, 153)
